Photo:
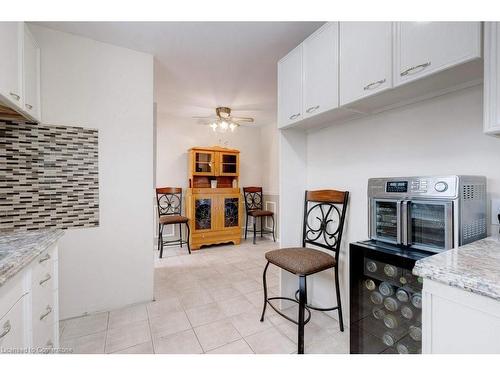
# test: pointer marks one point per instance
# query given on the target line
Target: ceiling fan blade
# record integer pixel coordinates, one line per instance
(205, 117)
(242, 119)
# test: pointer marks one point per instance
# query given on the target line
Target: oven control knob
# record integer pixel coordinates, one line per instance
(441, 186)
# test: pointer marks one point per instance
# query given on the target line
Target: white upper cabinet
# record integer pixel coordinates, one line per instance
(423, 48)
(321, 61)
(31, 75)
(491, 95)
(11, 35)
(365, 59)
(290, 88)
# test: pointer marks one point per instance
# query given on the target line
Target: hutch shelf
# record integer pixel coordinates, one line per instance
(213, 200)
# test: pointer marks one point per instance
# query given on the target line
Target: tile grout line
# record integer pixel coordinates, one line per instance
(106, 335)
(150, 331)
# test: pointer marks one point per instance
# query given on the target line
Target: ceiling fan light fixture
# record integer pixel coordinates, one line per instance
(232, 126)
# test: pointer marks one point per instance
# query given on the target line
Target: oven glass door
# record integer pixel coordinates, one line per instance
(385, 220)
(430, 225)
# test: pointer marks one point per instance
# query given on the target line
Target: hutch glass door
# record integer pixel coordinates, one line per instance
(203, 218)
(231, 207)
(204, 163)
(228, 164)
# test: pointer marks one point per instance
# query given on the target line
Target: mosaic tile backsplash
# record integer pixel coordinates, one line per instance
(49, 176)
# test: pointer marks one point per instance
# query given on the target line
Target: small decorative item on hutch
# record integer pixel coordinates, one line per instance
(213, 202)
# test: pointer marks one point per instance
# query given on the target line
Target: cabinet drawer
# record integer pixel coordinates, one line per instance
(44, 324)
(42, 290)
(12, 327)
(44, 271)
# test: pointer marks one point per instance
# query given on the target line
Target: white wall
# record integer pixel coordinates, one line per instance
(442, 135)
(270, 171)
(176, 135)
(96, 85)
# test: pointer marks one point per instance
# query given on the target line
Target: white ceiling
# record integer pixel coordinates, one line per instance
(202, 65)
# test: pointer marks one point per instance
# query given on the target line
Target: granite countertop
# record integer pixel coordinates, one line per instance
(18, 249)
(474, 267)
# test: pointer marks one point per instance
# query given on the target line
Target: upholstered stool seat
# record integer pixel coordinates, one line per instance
(301, 260)
(259, 213)
(173, 219)
(324, 216)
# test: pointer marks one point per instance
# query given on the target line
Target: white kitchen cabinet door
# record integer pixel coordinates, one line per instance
(491, 95)
(31, 68)
(365, 59)
(321, 70)
(423, 48)
(11, 57)
(290, 88)
(12, 328)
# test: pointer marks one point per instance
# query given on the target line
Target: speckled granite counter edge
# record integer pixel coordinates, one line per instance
(22, 257)
(460, 281)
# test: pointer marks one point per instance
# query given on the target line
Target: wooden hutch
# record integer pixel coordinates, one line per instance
(215, 213)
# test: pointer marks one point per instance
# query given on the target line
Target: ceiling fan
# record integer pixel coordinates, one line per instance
(223, 120)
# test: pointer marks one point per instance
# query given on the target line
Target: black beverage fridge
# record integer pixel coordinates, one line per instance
(385, 299)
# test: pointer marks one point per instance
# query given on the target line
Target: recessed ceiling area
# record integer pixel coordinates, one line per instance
(203, 65)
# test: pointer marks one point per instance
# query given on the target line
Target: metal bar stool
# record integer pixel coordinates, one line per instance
(169, 203)
(254, 208)
(324, 216)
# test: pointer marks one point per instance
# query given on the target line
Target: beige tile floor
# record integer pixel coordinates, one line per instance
(208, 302)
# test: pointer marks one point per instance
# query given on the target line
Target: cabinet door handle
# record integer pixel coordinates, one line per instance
(46, 313)
(47, 278)
(374, 84)
(6, 329)
(44, 258)
(29, 106)
(410, 70)
(293, 117)
(312, 109)
(15, 96)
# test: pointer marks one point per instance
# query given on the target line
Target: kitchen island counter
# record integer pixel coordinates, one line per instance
(474, 267)
(19, 248)
(461, 299)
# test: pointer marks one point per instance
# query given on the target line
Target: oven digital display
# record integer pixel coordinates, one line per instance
(397, 187)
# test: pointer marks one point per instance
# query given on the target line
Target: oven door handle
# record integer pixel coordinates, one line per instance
(398, 221)
(405, 223)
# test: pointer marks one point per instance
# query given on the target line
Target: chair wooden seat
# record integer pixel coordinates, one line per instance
(259, 213)
(173, 219)
(301, 261)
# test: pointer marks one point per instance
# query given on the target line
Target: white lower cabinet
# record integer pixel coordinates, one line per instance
(458, 322)
(12, 328)
(31, 324)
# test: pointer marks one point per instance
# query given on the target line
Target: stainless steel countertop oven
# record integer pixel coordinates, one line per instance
(431, 213)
